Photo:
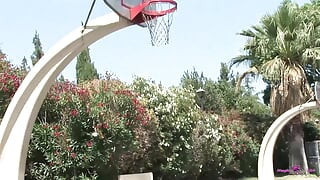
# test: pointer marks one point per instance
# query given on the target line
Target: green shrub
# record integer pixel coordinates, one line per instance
(244, 148)
(189, 138)
(311, 131)
(96, 127)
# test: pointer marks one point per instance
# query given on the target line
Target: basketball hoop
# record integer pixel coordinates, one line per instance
(158, 16)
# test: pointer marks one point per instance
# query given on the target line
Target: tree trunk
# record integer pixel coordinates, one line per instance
(292, 90)
(297, 155)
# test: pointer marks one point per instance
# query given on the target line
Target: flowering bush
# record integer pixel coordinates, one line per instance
(10, 79)
(85, 131)
(189, 138)
(211, 154)
(101, 129)
(104, 128)
(244, 148)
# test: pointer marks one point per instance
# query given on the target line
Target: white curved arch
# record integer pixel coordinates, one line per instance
(265, 163)
(17, 123)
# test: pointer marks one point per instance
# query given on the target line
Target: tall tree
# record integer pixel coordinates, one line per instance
(193, 78)
(279, 49)
(37, 53)
(85, 69)
(224, 72)
(61, 78)
(24, 64)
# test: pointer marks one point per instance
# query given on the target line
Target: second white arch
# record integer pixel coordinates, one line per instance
(265, 162)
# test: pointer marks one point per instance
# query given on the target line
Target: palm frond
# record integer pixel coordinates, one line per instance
(248, 33)
(272, 69)
(312, 56)
(251, 71)
(270, 26)
(287, 16)
(259, 30)
(241, 59)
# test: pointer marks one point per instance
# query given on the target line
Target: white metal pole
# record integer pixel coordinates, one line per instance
(17, 123)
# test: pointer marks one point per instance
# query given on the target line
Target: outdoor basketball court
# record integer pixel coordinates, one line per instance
(157, 16)
(18, 121)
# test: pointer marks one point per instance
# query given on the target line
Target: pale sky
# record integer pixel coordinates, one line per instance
(203, 34)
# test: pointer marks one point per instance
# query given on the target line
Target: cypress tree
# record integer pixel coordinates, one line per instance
(85, 69)
(24, 64)
(61, 78)
(37, 53)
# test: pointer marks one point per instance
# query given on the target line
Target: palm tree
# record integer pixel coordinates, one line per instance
(279, 49)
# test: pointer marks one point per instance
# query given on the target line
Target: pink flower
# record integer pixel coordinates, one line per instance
(5, 89)
(105, 125)
(68, 148)
(141, 110)
(89, 143)
(82, 92)
(56, 98)
(56, 134)
(74, 113)
(100, 104)
(135, 101)
(144, 122)
(55, 127)
(73, 155)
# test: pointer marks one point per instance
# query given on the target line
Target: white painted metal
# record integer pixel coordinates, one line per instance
(317, 91)
(141, 176)
(265, 163)
(17, 123)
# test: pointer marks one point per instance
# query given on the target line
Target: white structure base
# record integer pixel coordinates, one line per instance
(142, 176)
(265, 164)
(18, 121)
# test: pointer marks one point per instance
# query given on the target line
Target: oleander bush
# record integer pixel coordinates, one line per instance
(103, 128)
(189, 138)
(10, 79)
(87, 131)
(244, 148)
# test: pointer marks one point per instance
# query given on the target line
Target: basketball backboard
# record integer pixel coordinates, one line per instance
(154, 14)
(133, 9)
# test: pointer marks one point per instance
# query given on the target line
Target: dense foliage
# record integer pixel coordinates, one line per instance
(10, 79)
(284, 49)
(85, 70)
(190, 140)
(202, 129)
(38, 52)
(86, 131)
(243, 118)
(98, 129)
(103, 128)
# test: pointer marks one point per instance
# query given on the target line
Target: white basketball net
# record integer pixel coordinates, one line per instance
(159, 27)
